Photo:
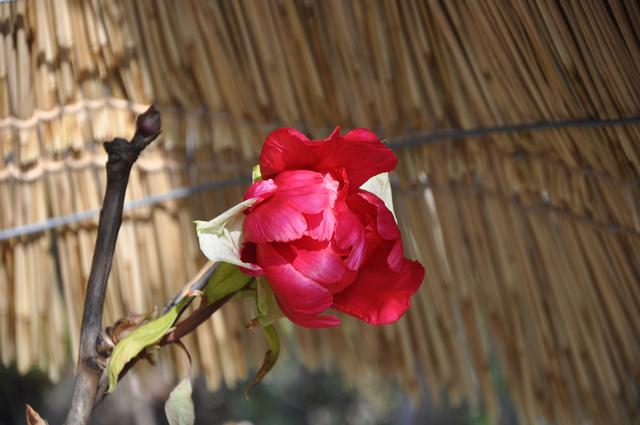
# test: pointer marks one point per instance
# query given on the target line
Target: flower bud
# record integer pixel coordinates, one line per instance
(148, 123)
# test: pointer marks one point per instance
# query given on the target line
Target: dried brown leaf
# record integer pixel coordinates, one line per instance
(33, 418)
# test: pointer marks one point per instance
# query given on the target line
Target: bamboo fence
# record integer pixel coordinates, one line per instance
(531, 239)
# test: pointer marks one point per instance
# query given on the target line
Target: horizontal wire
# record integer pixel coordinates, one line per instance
(425, 138)
(65, 220)
(396, 143)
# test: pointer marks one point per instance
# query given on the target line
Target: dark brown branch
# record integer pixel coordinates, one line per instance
(122, 156)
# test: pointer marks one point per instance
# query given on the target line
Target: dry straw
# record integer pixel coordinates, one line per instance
(530, 240)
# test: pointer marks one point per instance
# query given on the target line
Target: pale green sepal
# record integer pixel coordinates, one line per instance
(221, 237)
(226, 279)
(267, 306)
(381, 187)
(256, 174)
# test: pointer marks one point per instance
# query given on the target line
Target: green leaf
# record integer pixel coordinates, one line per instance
(270, 357)
(226, 279)
(267, 306)
(256, 174)
(179, 406)
(268, 313)
(146, 335)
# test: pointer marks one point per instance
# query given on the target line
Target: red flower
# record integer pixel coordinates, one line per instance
(320, 239)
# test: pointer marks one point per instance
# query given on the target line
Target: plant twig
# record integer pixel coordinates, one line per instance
(182, 328)
(122, 156)
(194, 320)
(197, 283)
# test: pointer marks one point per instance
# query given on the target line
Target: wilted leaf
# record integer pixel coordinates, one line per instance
(33, 418)
(226, 279)
(270, 357)
(122, 326)
(268, 310)
(145, 336)
(179, 406)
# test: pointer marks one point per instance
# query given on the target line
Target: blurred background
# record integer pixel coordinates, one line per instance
(517, 127)
(291, 396)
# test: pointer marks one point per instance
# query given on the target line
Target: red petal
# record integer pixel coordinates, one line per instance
(381, 291)
(325, 321)
(320, 226)
(395, 260)
(261, 189)
(286, 149)
(361, 135)
(308, 191)
(367, 214)
(318, 261)
(379, 295)
(335, 134)
(350, 234)
(385, 222)
(299, 297)
(282, 216)
(274, 221)
(248, 254)
(360, 153)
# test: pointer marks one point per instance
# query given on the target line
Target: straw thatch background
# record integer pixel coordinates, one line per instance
(531, 239)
